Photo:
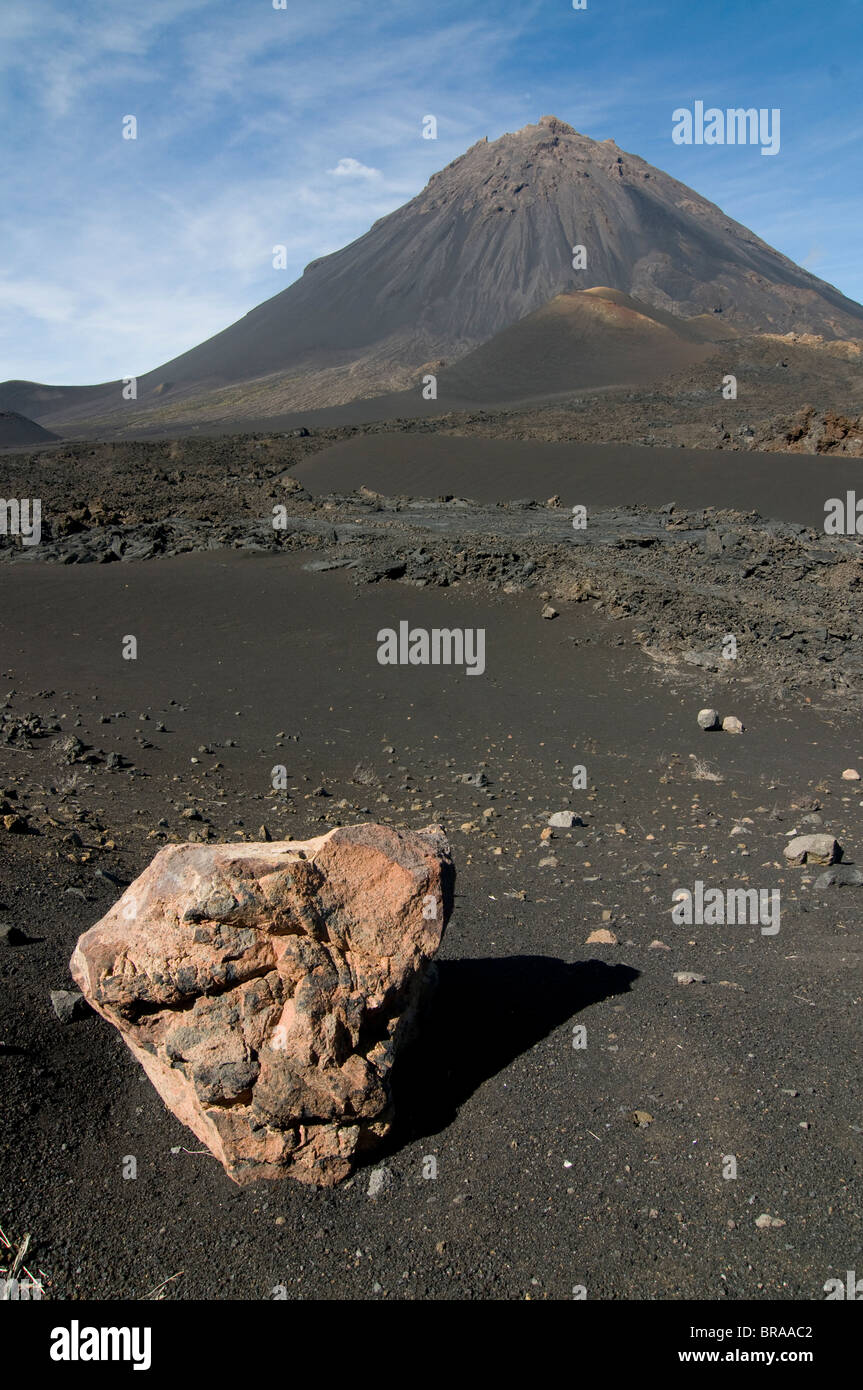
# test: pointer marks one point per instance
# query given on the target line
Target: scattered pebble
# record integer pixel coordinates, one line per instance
(380, 1179)
(68, 1004)
(813, 849)
(840, 876)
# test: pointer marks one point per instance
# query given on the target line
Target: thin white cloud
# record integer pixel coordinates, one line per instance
(121, 255)
(353, 169)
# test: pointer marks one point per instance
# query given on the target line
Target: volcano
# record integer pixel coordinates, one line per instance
(490, 240)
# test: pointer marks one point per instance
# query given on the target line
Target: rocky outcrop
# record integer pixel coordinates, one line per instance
(818, 432)
(265, 988)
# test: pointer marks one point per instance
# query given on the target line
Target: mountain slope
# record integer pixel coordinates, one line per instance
(488, 241)
(17, 432)
(578, 340)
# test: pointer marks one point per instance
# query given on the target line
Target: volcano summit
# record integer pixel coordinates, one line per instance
(489, 240)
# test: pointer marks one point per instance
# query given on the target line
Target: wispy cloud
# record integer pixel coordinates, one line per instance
(348, 168)
(300, 127)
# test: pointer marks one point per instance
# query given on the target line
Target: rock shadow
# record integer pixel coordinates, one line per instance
(482, 1015)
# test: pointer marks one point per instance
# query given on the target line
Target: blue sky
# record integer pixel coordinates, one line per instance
(115, 255)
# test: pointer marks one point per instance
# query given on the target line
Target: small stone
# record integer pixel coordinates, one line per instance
(380, 1179)
(850, 775)
(732, 725)
(548, 612)
(68, 1004)
(840, 876)
(689, 977)
(264, 834)
(601, 937)
(642, 1118)
(564, 820)
(549, 862)
(765, 1222)
(658, 946)
(69, 748)
(813, 849)
(16, 825)
(708, 719)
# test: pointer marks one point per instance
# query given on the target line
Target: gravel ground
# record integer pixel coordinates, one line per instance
(544, 1180)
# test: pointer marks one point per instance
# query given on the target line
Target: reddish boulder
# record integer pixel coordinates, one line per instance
(265, 988)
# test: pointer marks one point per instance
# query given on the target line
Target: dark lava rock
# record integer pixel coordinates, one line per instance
(68, 1004)
(838, 876)
(13, 936)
